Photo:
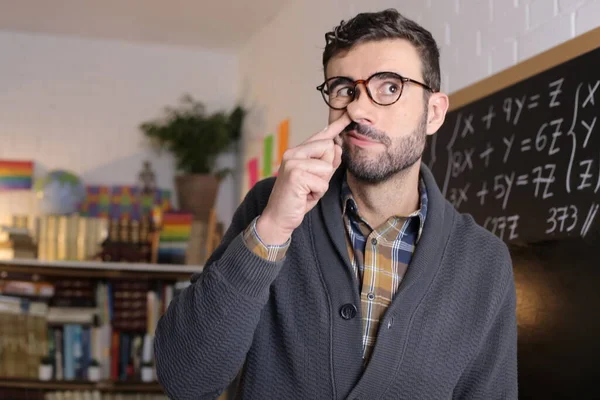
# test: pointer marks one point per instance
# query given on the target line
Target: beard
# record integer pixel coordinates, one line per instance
(401, 153)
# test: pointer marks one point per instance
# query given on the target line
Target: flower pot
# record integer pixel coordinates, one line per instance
(147, 374)
(94, 373)
(197, 193)
(45, 372)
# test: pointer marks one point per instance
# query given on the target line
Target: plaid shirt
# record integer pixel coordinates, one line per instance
(379, 267)
(253, 242)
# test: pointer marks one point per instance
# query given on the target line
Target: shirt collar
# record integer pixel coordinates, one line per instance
(349, 204)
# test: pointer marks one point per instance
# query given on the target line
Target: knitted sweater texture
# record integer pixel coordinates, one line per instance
(287, 329)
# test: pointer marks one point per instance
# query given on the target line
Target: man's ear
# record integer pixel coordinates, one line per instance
(437, 108)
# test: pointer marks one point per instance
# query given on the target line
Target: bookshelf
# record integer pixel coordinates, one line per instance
(103, 386)
(100, 269)
(106, 290)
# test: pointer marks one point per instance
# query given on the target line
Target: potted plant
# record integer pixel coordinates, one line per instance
(196, 139)
(93, 371)
(46, 368)
(147, 371)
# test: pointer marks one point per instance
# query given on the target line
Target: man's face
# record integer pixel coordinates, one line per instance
(383, 140)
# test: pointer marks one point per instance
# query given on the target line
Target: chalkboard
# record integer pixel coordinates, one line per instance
(524, 160)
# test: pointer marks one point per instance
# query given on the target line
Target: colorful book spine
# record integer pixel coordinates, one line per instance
(174, 237)
(176, 227)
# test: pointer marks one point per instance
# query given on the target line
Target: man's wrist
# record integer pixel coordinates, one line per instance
(254, 243)
(269, 233)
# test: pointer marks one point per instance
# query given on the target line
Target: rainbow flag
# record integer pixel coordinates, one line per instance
(16, 175)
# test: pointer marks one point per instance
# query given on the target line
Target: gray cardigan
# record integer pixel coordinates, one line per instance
(450, 332)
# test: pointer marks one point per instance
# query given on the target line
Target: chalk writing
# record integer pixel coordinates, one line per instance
(559, 216)
(502, 187)
(574, 137)
(547, 180)
(590, 128)
(468, 128)
(589, 220)
(524, 161)
(483, 193)
(585, 176)
(591, 94)
(457, 196)
(533, 101)
(486, 154)
(499, 225)
(556, 87)
(488, 118)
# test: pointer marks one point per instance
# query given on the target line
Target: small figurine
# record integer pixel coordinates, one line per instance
(147, 179)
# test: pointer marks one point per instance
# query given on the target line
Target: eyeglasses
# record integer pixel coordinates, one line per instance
(383, 88)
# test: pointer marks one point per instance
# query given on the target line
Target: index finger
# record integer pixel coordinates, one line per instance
(333, 129)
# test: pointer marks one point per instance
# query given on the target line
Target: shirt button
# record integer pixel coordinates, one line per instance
(374, 242)
(348, 311)
(371, 296)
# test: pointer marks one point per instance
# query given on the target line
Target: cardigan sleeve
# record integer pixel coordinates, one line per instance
(202, 339)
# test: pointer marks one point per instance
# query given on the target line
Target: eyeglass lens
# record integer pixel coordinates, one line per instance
(383, 88)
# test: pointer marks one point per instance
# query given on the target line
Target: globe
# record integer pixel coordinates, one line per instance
(59, 192)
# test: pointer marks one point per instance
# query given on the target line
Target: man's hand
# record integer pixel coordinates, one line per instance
(302, 180)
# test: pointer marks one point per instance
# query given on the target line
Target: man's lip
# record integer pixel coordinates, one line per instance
(358, 136)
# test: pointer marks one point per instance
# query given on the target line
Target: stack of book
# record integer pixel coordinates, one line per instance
(16, 242)
(74, 323)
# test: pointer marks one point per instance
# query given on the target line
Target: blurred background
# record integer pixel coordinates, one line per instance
(130, 132)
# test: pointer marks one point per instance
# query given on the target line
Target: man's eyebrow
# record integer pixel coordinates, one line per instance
(341, 77)
(379, 71)
(387, 71)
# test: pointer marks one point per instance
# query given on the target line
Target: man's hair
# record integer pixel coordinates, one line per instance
(387, 24)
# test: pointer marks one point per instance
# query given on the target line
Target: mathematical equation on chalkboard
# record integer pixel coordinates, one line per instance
(525, 161)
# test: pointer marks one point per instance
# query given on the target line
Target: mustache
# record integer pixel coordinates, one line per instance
(369, 132)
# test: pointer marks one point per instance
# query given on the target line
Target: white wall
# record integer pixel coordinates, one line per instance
(77, 104)
(281, 65)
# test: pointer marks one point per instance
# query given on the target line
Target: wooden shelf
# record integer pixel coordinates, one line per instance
(99, 269)
(103, 386)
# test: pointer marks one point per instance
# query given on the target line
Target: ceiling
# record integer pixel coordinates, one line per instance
(213, 24)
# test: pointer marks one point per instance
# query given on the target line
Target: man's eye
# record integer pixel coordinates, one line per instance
(345, 92)
(389, 88)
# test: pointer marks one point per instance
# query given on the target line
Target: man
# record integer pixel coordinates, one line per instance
(350, 276)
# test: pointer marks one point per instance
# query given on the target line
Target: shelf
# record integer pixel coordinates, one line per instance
(103, 386)
(98, 269)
